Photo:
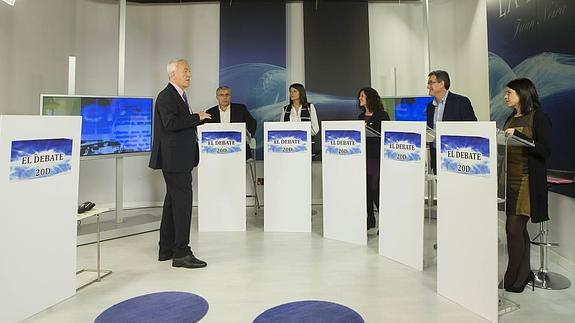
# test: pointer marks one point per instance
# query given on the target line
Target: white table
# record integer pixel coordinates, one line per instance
(101, 273)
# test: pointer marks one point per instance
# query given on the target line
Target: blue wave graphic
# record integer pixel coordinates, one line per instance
(256, 84)
(552, 74)
(18, 173)
(353, 135)
(410, 138)
(403, 146)
(467, 155)
(281, 148)
(235, 136)
(221, 142)
(342, 142)
(287, 141)
(221, 150)
(23, 148)
(31, 159)
(287, 134)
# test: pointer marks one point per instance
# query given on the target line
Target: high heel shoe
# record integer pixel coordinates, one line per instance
(530, 278)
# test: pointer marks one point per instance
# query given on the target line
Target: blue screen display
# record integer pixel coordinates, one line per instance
(110, 125)
(411, 108)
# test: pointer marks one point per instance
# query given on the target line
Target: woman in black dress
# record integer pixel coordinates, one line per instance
(373, 113)
(526, 178)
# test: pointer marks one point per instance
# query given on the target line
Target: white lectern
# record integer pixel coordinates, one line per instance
(222, 177)
(402, 181)
(39, 189)
(467, 215)
(287, 173)
(343, 181)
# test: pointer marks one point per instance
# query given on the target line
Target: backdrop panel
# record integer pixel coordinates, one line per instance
(253, 57)
(534, 39)
(337, 56)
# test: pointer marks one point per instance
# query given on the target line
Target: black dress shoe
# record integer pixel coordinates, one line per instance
(188, 261)
(165, 256)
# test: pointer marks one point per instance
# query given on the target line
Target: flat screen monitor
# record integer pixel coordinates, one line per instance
(408, 108)
(111, 126)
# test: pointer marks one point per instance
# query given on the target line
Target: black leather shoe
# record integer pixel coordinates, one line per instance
(165, 256)
(188, 261)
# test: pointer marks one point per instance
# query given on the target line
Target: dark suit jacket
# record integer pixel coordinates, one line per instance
(457, 108)
(373, 144)
(537, 164)
(174, 148)
(238, 113)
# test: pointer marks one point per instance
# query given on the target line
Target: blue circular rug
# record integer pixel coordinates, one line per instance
(166, 307)
(309, 312)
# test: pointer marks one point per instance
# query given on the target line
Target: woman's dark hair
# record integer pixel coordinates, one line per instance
(302, 96)
(372, 100)
(528, 97)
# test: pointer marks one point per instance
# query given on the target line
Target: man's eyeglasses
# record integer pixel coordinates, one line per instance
(431, 82)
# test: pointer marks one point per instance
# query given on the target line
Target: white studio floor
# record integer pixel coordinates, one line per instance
(249, 272)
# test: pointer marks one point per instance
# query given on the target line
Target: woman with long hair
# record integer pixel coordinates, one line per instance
(526, 178)
(299, 109)
(372, 112)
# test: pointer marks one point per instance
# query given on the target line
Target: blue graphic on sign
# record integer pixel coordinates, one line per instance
(221, 142)
(287, 141)
(343, 142)
(465, 155)
(402, 146)
(40, 158)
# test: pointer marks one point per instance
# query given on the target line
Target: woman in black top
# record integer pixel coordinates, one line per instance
(373, 113)
(526, 178)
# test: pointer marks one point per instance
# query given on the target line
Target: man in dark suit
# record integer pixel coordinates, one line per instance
(446, 105)
(175, 152)
(228, 112)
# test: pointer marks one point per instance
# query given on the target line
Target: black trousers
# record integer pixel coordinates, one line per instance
(176, 214)
(433, 158)
(372, 197)
(519, 250)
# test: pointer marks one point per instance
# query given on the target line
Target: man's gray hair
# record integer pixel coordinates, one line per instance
(223, 88)
(173, 64)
